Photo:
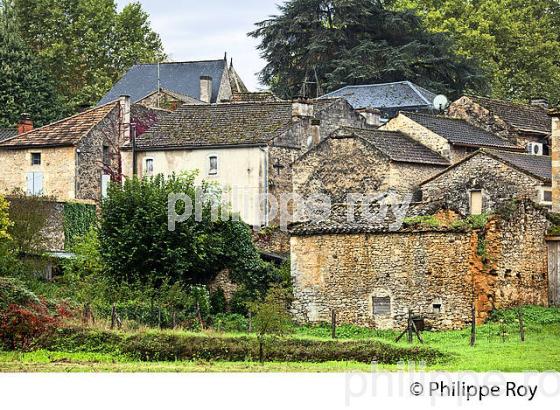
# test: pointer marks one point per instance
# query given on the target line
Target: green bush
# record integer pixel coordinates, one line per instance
(14, 292)
(419, 221)
(172, 346)
(532, 315)
(231, 323)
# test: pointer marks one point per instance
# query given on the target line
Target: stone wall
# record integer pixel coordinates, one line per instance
(498, 182)
(416, 270)
(439, 274)
(90, 166)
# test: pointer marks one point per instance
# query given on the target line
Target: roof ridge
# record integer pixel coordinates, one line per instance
(181, 62)
(519, 104)
(413, 86)
(61, 121)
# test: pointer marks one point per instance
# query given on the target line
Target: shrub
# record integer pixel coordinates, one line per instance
(533, 315)
(21, 326)
(218, 303)
(230, 322)
(13, 292)
(419, 221)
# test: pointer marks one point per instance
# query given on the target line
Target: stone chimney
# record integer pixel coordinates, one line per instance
(540, 102)
(372, 116)
(125, 119)
(302, 108)
(25, 124)
(206, 89)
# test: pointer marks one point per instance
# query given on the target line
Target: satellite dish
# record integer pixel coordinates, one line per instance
(441, 102)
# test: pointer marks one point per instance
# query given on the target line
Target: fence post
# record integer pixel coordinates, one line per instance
(333, 324)
(521, 324)
(473, 326)
(409, 329)
(250, 325)
(113, 316)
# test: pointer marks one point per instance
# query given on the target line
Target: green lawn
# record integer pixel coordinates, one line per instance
(540, 352)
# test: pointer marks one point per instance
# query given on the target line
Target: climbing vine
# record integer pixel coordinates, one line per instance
(78, 219)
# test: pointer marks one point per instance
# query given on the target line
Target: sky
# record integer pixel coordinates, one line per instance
(206, 29)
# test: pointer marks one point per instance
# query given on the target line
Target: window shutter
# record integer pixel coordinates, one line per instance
(30, 183)
(38, 183)
(381, 305)
(105, 185)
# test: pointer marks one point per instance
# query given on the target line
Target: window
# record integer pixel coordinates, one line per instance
(149, 170)
(213, 169)
(476, 202)
(36, 158)
(547, 196)
(436, 308)
(35, 183)
(381, 305)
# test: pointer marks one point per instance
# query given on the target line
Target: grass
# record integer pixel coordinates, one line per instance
(498, 348)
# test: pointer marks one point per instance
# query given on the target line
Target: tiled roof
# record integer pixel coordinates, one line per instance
(459, 132)
(7, 133)
(539, 166)
(66, 132)
(182, 78)
(521, 116)
(397, 146)
(400, 95)
(258, 96)
(219, 124)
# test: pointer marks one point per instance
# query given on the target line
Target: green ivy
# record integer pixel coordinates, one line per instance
(78, 219)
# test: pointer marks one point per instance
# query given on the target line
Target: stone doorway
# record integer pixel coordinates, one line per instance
(553, 271)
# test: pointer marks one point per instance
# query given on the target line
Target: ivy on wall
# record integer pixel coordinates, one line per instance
(78, 219)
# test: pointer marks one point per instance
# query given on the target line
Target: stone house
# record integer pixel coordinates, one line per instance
(71, 159)
(364, 161)
(487, 179)
(388, 98)
(246, 148)
(373, 276)
(452, 138)
(170, 85)
(528, 126)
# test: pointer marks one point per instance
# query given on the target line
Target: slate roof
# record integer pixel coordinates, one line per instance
(7, 133)
(219, 124)
(397, 146)
(459, 132)
(399, 95)
(66, 132)
(182, 78)
(520, 116)
(539, 166)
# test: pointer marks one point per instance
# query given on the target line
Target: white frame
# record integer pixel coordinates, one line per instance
(209, 163)
(146, 166)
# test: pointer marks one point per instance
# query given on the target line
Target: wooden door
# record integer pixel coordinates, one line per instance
(553, 269)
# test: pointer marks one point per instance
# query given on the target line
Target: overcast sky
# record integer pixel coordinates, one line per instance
(205, 29)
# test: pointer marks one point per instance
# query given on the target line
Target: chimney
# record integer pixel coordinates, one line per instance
(302, 108)
(206, 89)
(371, 115)
(25, 124)
(540, 102)
(555, 114)
(124, 101)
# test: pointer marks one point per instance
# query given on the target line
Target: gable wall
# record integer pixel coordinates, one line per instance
(499, 183)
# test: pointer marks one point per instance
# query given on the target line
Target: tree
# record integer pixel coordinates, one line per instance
(271, 316)
(25, 86)
(321, 45)
(138, 246)
(517, 41)
(5, 222)
(88, 44)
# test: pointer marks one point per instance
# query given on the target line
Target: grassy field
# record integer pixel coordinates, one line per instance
(498, 348)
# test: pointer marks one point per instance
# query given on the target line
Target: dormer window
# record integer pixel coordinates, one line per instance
(213, 165)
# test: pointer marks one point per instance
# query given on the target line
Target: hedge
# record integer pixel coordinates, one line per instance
(174, 346)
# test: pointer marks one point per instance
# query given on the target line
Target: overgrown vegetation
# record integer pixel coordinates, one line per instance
(78, 220)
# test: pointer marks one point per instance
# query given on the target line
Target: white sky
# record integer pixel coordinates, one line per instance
(205, 29)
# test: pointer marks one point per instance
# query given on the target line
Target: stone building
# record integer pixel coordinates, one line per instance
(388, 98)
(373, 276)
(487, 179)
(72, 159)
(364, 161)
(246, 148)
(528, 126)
(169, 85)
(452, 138)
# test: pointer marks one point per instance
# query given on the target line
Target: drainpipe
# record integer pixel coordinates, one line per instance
(133, 144)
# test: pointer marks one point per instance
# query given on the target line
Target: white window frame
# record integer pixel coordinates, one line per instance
(35, 184)
(40, 159)
(210, 173)
(146, 173)
(542, 190)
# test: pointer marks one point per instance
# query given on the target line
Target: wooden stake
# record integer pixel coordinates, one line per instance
(473, 326)
(113, 316)
(409, 328)
(521, 324)
(250, 324)
(333, 324)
